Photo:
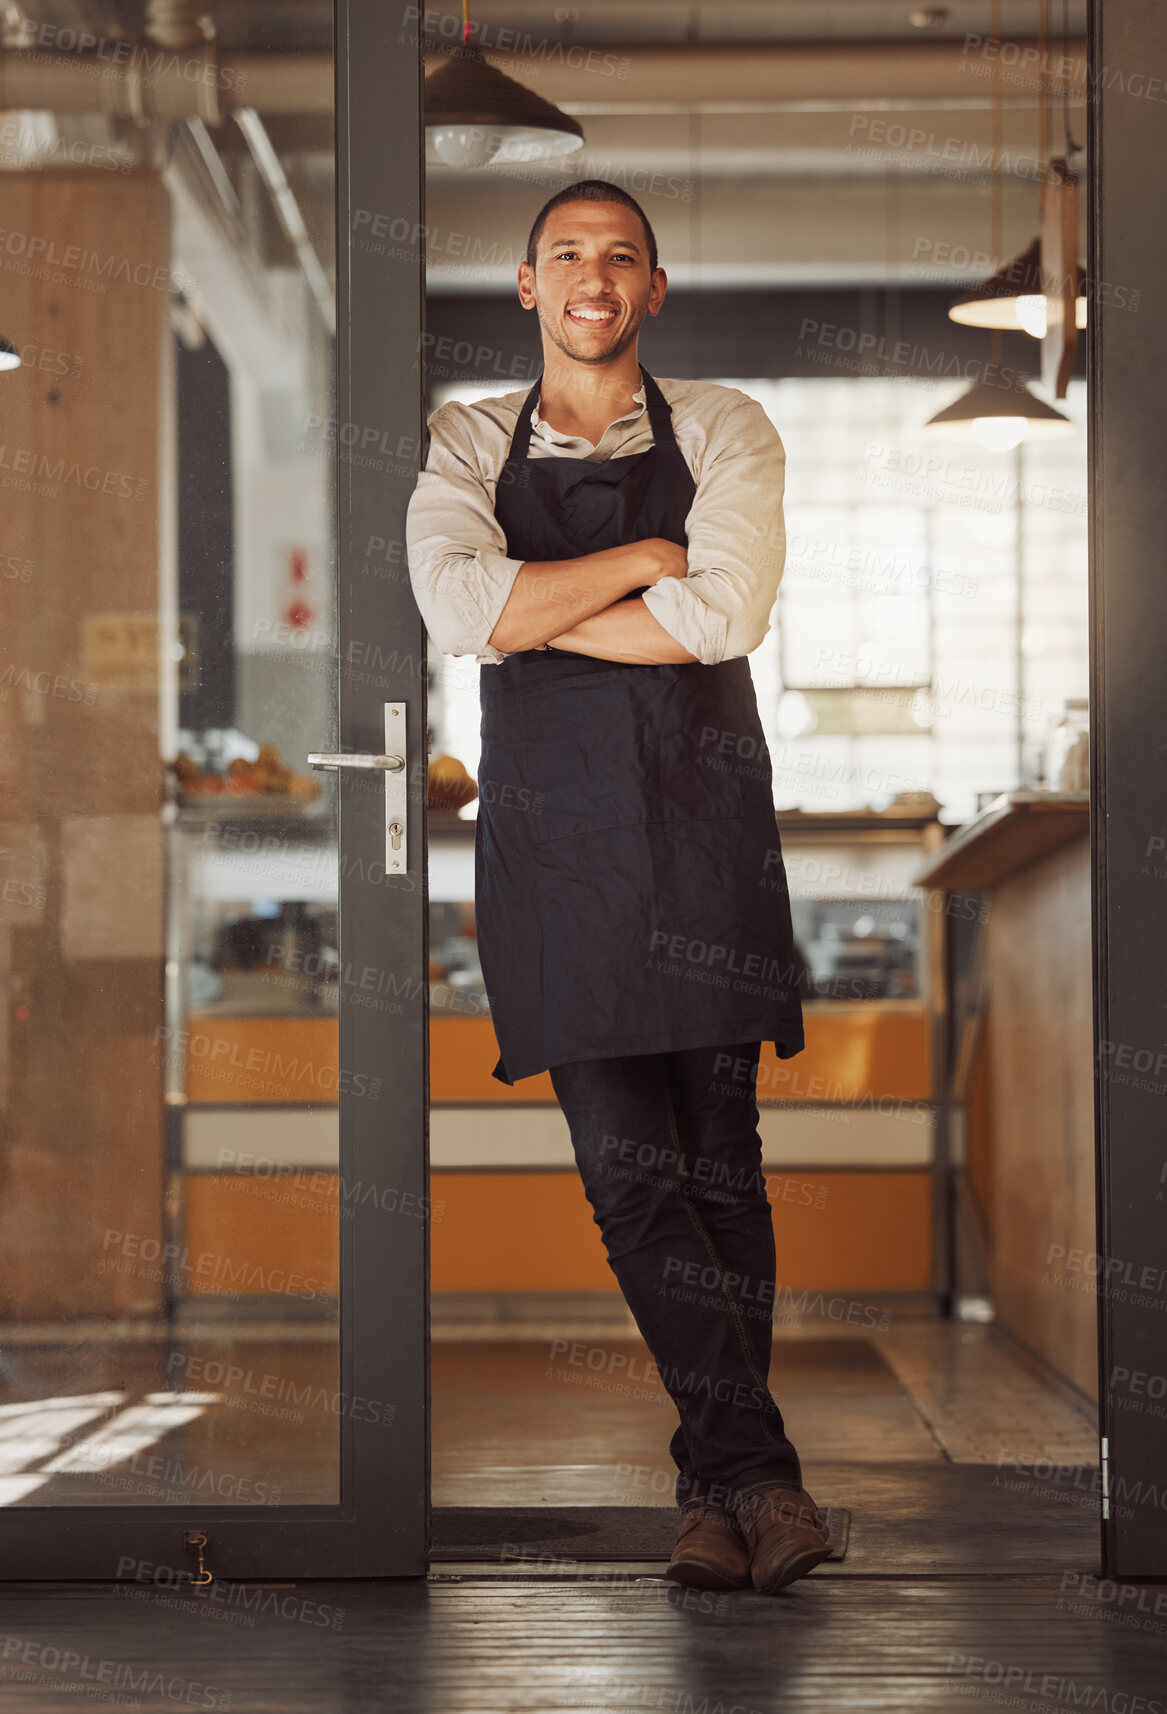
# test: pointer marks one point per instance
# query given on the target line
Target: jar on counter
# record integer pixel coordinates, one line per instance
(1069, 747)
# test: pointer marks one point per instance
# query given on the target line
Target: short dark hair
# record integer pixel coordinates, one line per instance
(590, 190)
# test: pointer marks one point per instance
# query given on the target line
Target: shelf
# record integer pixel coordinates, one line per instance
(307, 819)
(448, 827)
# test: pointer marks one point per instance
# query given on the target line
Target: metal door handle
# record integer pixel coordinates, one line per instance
(345, 759)
(392, 764)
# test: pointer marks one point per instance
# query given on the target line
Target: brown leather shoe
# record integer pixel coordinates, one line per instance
(710, 1551)
(786, 1534)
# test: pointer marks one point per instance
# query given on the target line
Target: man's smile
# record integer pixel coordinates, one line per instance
(592, 315)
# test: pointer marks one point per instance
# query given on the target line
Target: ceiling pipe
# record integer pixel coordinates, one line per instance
(587, 78)
(288, 211)
(155, 82)
(158, 83)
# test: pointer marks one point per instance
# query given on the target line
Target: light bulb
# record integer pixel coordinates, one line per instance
(1031, 313)
(999, 434)
(466, 146)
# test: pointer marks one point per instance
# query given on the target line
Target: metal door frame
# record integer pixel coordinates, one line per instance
(381, 1525)
(1128, 763)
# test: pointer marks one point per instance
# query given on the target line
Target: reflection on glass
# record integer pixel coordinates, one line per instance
(168, 894)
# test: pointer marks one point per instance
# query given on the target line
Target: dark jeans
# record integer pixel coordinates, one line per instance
(668, 1149)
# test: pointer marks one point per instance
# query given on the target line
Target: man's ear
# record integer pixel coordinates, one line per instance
(526, 285)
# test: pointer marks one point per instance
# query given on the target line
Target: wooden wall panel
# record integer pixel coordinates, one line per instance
(519, 1231)
(1042, 1105)
(859, 1232)
(248, 1236)
(236, 1061)
(852, 1053)
(83, 280)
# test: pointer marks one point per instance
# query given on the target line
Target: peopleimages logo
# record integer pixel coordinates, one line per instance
(86, 1670)
(75, 259)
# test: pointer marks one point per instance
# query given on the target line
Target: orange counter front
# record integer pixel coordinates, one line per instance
(513, 1228)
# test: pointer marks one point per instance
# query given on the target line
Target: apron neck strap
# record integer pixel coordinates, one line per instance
(660, 415)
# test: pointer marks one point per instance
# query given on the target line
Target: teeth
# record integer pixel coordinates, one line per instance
(592, 314)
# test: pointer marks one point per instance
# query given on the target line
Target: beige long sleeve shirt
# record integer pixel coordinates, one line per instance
(458, 563)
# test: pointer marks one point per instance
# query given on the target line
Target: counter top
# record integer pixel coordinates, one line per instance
(1016, 829)
(448, 825)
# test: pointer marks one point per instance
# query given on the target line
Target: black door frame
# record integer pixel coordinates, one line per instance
(380, 1527)
(1128, 764)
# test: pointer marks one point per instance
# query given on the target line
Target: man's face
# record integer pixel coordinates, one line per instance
(592, 286)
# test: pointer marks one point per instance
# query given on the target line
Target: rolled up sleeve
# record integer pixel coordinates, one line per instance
(458, 564)
(737, 541)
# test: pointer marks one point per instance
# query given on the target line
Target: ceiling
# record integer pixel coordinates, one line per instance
(284, 25)
(746, 20)
(771, 142)
(775, 142)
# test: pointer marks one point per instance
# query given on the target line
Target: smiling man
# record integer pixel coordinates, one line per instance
(609, 548)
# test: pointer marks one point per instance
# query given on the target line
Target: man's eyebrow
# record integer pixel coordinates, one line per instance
(624, 243)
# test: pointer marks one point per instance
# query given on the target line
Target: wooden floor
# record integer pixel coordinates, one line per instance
(584, 1421)
(968, 1581)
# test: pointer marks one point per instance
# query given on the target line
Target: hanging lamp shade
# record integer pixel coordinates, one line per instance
(1014, 297)
(475, 114)
(9, 355)
(998, 417)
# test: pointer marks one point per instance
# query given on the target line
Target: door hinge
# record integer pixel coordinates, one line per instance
(1105, 1478)
(196, 1540)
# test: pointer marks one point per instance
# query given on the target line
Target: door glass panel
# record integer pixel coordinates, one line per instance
(171, 1209)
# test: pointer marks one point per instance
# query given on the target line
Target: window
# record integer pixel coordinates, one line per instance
(932, 617)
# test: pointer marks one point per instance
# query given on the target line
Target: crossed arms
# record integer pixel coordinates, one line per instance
(709, 602)
(583, 605)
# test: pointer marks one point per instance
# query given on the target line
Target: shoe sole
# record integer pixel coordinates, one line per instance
(798, 1565)
(695, 1574)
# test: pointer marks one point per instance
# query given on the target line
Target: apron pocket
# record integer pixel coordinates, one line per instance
(623, 752)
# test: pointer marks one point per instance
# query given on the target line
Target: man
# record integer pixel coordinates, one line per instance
(609, 549)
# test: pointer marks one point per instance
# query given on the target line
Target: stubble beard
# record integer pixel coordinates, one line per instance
(594, 360)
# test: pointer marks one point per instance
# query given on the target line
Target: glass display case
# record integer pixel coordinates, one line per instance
(859, 927)
(853, 949)
(849, 1126)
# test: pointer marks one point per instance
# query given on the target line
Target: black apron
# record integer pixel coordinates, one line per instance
(630, 893)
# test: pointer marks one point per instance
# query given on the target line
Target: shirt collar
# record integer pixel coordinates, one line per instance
(546, 432)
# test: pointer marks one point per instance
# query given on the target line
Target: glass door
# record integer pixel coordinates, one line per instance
(213, 1070)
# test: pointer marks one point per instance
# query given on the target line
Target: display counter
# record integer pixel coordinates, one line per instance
(848, 1126)
(1021, 1110)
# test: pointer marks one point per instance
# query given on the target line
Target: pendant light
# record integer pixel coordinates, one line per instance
(475, 114)
(1014, 297)
(998, 417)
(9, 355)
